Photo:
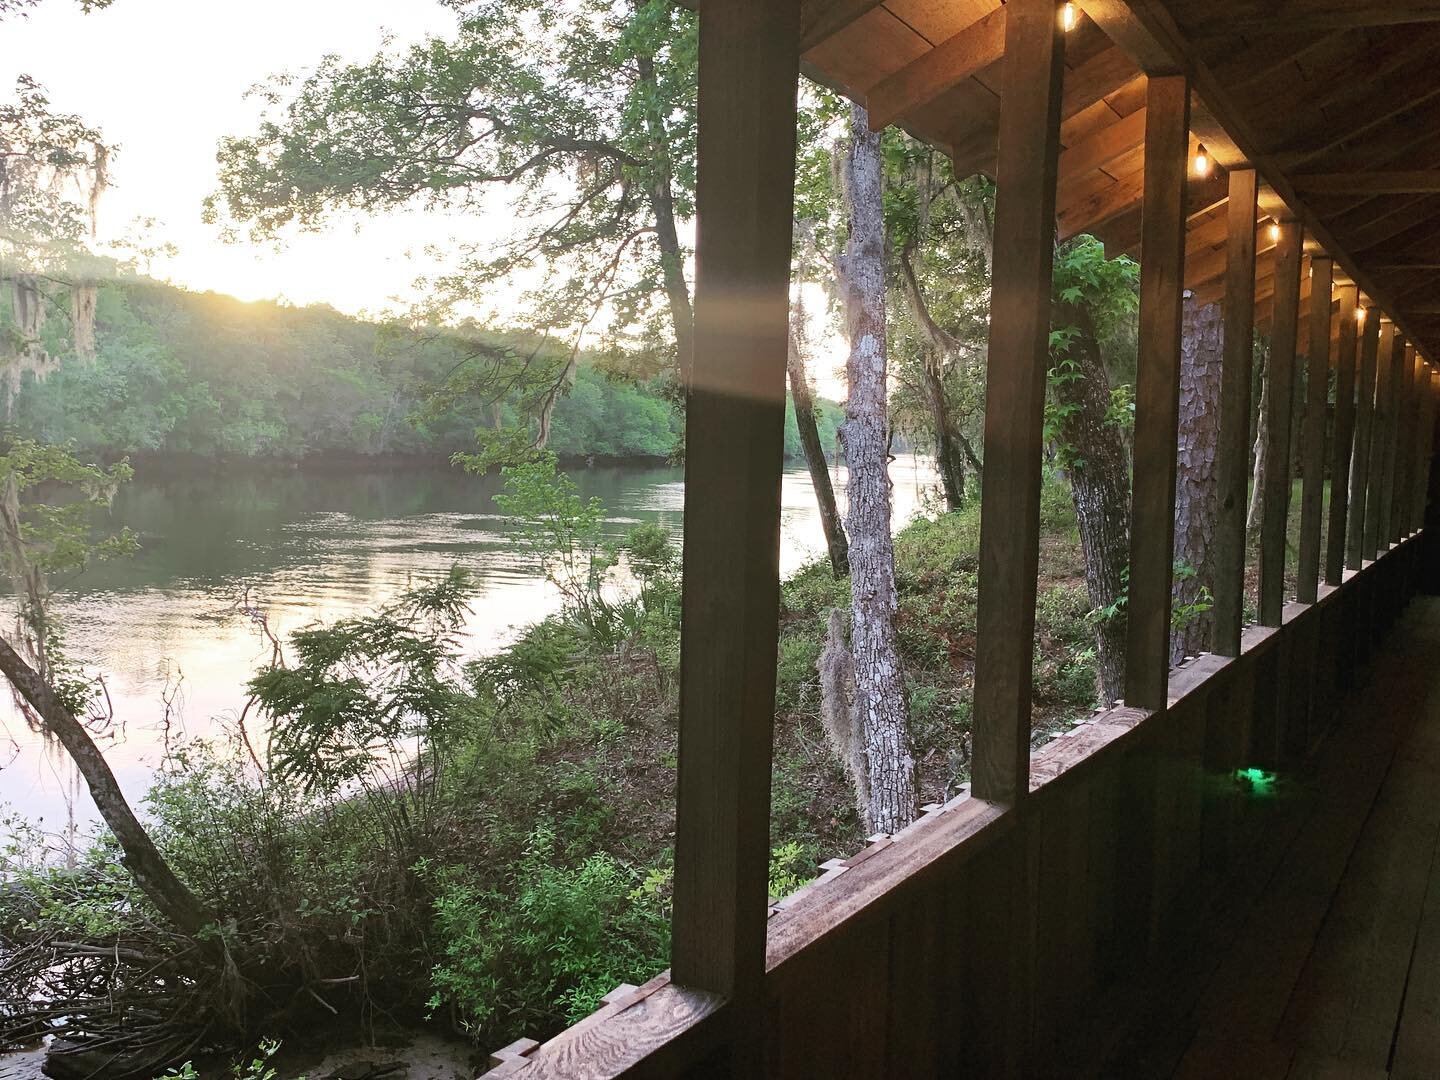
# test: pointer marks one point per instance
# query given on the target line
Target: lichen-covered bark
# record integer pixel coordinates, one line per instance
(879, 678)
(1196, 504)
(1100, 488)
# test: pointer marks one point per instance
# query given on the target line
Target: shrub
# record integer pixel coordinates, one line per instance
(543, 951)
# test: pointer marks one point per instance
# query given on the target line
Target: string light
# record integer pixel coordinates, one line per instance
(1068, 17)
(1202, 161)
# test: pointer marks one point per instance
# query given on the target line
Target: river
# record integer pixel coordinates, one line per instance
(306, 546)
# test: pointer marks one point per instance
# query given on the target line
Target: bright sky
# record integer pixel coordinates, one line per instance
(165, 79)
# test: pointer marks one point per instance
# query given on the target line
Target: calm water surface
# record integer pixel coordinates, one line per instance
(308, 546)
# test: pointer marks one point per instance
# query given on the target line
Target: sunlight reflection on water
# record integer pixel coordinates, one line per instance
(308, 547)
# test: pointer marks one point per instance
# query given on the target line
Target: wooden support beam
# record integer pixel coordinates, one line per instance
(1162, 276)
(1404, 440)
(1317, 380)
(1233, 452)
(1390, 377)
(1104, 146)
(1379, 436)
(1415, 505)
(821, 20)
(947, 65)
(1342, 442)
(1027, 165)
(1425, 446)
(1409, 182)
(1355, 549)
(735, 418)
(1275, 511)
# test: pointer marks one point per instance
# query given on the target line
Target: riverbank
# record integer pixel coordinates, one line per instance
(529, 873)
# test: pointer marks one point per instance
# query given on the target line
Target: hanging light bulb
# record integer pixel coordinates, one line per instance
(1275, 232)
(1360, 316)
(1202, 161)
(1068, 17)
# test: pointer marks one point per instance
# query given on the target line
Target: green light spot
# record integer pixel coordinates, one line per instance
(1259, 781)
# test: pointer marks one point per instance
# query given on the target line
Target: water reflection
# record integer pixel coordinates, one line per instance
(311, 546)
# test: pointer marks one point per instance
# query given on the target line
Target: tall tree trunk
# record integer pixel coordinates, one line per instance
(667, 237)
(949, 456)
(1260, 452)
(879, 678)
(145, 863)
(1100, 488)
(835, 541)
(1197, 506)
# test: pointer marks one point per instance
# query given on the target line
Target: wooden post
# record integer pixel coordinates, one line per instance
(1027, 164)
(1233, 465)
(749, 70)
(1317, 386)
(1404, 440)
(1387, 383)
(1157, 390)
(1284, 332)
(1344, 435)
(1357, 551)
(1427, 444)
(1422, 405)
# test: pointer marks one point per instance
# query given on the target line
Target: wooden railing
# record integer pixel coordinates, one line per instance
(993, 941)
(1004, 932)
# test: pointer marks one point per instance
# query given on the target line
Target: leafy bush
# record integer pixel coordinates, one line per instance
(543, 950)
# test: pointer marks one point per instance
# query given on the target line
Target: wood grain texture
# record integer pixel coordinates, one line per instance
(1356, 550)
(1233, 453)
(749, 70)
(1275, 512)
(1027, 165)
(1162, 272)
(1312, 446)
(950, 63)
(1343, 441)
(1377, 502)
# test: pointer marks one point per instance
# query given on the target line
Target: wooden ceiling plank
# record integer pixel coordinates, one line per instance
(922, 81)
(821, 20)
(1261, 16)
(1378, 182)
(1150, 33)
(1101, 149)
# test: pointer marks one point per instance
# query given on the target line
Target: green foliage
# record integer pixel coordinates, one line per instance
(548, 945)
(1182, 615)
(361, 690)
(791, 869)
(212, 377)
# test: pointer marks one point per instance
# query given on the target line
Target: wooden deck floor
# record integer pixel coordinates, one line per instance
(1325, 961)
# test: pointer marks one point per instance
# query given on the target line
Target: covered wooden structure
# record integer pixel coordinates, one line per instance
(1004, 933)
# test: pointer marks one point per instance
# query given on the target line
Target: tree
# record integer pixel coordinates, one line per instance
(879, 675)
(45, 259)
(1086, 422)
(39, 540)
(804, 401)
(940, 227)
(583, 112)
(1197, 504)
(1260, 452)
